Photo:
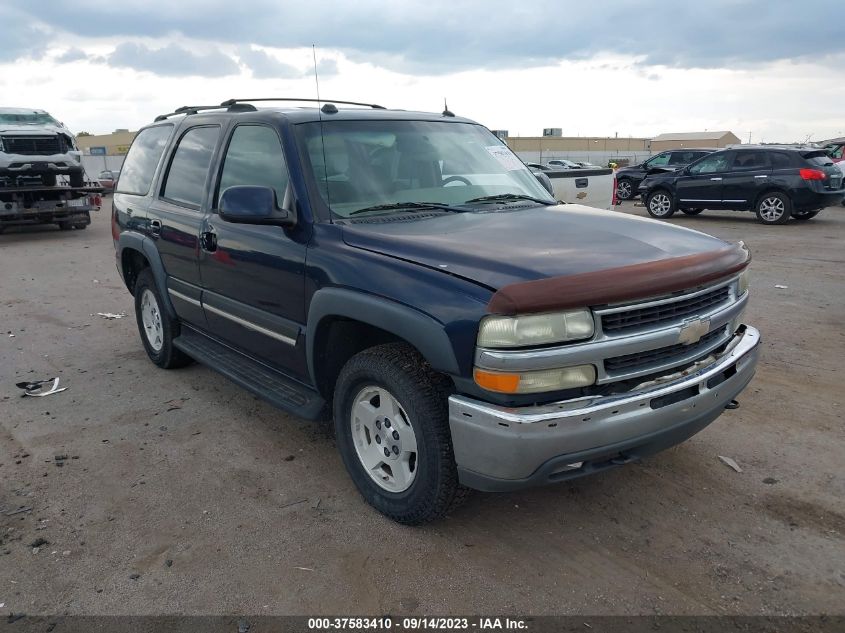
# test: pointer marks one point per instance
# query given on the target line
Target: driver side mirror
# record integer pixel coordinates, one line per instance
(545, 181)
(251, 204)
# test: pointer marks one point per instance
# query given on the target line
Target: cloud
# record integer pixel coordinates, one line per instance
(443, 36)
(327, 67)
(20, 35)
(172, 60)
(265, 66)
(72, 55)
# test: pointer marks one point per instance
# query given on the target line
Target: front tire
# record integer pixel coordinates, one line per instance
(625, 189)
(392, 424)
(157, 329)
(774, 208)
(660, 204)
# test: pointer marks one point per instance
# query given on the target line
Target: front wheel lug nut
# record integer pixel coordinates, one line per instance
(378, 439)
(387, 424)
(395, 450)
(378, 424)
(386, 452)
(395, 435)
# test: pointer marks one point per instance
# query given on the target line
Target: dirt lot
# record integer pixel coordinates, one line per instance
(179, 492)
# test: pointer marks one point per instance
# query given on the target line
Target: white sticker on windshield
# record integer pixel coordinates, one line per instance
(506, 158)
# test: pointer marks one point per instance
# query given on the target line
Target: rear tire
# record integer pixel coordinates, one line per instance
(805, 215)
(660, 204)
(773, 208)
(692, 211)
(388, 399)
(65, 226)
(157, 329)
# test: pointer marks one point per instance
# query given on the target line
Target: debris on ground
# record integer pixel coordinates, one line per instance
(770, 481)
(727, 461)
(316, 504)
(243, 626)
(134, 576)
(168, 563)
(19, 511)
(781, 287)
(176, 403)
(37, 388)
(111, 315)
(293, 503)
(290, 458)
(304, 568)
(39, 542)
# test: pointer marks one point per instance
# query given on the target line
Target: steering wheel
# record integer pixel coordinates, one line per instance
(461, 179)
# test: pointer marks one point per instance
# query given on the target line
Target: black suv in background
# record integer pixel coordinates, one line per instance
(776, 182)
(628, 179)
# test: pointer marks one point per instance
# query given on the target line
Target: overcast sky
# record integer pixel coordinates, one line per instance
(774, 70)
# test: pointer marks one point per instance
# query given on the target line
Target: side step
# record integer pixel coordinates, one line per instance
(266, 383)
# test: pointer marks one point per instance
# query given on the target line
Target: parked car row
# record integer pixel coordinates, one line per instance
(775, 182)
(557, 164)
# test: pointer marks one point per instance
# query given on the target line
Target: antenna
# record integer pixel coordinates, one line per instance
(446, 109)
(322, 137)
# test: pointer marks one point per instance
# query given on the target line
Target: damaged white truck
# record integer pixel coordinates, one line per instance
(42, 180)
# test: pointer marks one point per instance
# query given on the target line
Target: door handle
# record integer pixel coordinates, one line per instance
(208, 241)
(761, 176)
(155, 228)
(715, 179)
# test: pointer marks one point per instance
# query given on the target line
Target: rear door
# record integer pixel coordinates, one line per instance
(253, 275)
(176, 215)
(700, 186)
(748, 175)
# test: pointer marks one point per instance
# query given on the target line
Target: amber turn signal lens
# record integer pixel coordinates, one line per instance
(502, 383)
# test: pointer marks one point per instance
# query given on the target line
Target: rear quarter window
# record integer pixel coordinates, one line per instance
(138, 170)
(819, 159)
(780, 160)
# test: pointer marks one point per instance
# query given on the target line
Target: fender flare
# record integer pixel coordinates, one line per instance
(135, 241)
(422, 331)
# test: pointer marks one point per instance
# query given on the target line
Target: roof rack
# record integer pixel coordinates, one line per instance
(235, 107)
(231, 102)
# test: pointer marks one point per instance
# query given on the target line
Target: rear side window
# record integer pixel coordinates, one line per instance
(255, 157)
(683, 158)
(658, 161)
(142, 160)
(186, 178)
(780, 160)
(751, 160)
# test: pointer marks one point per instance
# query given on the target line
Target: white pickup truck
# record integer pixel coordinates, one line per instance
(590, 187)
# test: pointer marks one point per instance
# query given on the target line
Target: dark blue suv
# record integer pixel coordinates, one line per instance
(406, 275)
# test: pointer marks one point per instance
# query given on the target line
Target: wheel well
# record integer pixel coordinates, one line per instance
(766, 193)
(337, 339)
(132, 263)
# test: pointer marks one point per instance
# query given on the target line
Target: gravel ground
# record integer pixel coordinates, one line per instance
(181, 493)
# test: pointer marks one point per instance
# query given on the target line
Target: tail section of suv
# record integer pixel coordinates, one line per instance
(35, 145)
(776, 182)
(628, 179)
(405, 274)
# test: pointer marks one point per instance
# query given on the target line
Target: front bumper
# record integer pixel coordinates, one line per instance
(501, 448)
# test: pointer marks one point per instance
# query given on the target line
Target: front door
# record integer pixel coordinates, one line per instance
(700, 186)
(253, 275)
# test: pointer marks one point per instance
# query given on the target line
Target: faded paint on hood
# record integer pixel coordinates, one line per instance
(500, 247)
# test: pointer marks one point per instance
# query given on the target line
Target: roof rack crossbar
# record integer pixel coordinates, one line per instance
(230, 102)
(198, 108)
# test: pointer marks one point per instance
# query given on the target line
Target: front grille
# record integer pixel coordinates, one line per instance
(663, 355)
(663, 313)
(33, 145)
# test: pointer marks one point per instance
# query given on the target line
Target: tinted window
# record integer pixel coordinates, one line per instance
(141, 161)
(683, 158)
(780, 160)
(189, 168)
(711, 164)
(751, 160)
(255, 157)
(658, 161)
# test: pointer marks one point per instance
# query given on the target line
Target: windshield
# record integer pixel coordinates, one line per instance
(27, 118)
(362, 164)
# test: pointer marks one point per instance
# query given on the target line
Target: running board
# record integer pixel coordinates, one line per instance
(264, 382)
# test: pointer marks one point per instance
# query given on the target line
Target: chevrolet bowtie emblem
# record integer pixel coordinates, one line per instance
(692, 330)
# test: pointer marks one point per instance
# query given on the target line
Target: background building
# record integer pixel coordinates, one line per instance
(693, 139)
(104, 151)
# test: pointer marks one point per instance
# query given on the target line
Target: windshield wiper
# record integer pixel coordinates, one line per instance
(508, 197)
(411, 206)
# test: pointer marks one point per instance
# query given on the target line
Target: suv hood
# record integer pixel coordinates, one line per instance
(506, 246)
(40, 128)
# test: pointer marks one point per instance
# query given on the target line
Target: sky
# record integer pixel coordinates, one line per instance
(771, 71)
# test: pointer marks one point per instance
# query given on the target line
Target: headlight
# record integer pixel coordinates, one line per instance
(536, 381)
(535, 329)
(742, 283)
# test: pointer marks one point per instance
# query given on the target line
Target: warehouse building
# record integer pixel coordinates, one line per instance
(104, 151)
(601, 150)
